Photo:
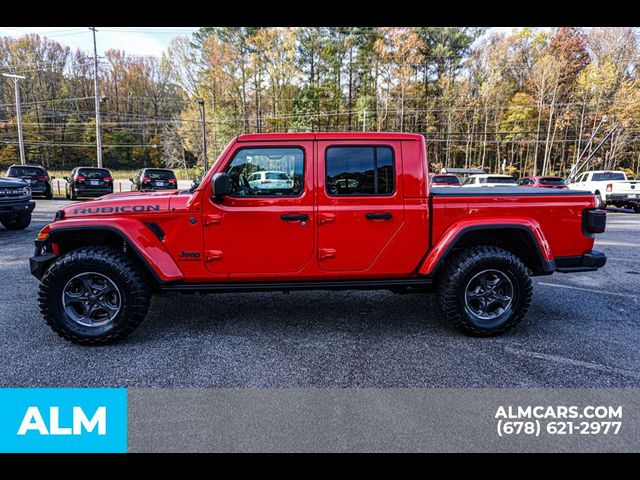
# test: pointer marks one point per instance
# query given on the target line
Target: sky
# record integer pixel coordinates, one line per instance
(132, 40)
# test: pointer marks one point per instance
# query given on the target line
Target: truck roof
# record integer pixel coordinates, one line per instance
(266, 137)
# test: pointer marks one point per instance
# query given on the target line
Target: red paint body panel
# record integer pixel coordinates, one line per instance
(245, 238)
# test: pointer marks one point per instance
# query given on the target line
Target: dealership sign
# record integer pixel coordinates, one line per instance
(63, 420)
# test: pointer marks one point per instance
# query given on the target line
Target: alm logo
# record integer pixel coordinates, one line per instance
(63, 420)
(33, 421)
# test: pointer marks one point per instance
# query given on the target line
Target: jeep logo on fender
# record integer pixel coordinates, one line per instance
(188, 255)
(123, 209)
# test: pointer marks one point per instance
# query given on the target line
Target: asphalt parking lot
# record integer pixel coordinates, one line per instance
(583, 330)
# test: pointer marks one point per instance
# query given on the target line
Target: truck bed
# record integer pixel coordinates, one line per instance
(555, 215)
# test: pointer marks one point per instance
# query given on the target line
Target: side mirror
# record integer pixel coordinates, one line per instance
(131, 180)
(65, 178)
(220, 186)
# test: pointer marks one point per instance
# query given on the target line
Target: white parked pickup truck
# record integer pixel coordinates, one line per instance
(610, 187)
(488, 180)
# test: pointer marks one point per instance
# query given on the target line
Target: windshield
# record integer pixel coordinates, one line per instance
(25, 172)
(446, 179)
(551, 181)
(93, 173)
(606, 176)
(506, 180)
(159, 174)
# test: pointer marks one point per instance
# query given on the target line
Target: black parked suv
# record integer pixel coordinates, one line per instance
(36, 176)
(15, 203)
(154, 179)
(88, 182)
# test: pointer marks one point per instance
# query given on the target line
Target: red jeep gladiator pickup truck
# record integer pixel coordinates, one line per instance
(298, 211)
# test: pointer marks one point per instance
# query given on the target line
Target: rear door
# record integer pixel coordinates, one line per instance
(360, 202)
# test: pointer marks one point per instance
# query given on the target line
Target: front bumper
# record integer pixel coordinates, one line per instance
(588, 262)
(623, 198)
(39, 263)
(14, 208)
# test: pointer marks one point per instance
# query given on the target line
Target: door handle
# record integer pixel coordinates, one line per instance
(294, 217)
(378, 216)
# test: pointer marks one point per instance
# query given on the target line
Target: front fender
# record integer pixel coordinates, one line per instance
(450, 237)
(137, 235)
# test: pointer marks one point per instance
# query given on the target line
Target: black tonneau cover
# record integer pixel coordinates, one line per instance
(503, 192)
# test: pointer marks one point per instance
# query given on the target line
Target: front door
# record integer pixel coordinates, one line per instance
(266, 225)
(360, 203)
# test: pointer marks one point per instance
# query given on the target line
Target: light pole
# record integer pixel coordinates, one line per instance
(204, 138)
(15, 78)
(97, 95)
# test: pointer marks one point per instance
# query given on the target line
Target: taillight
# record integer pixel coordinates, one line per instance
(146, 179)
(79, 179)
(42, 178)
(609, 187)
(172, 180)
(108, 179)
(595, 220)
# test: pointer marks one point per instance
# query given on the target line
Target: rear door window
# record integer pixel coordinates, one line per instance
(160, 174)
(26, 172)
(93, 173)
(360, 170)
(606, 176)
(551, 181)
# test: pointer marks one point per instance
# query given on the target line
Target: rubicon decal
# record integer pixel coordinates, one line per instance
(61, 420)
(117, 209)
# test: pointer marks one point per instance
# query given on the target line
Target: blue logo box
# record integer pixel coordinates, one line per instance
(63, 420)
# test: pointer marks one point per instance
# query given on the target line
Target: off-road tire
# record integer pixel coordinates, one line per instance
(120, 269)
(459, 271)
(18, 223)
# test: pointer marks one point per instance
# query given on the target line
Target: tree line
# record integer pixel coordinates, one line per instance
(528, 102)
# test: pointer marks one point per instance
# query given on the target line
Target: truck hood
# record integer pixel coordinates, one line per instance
(12, 182)
(129, 203)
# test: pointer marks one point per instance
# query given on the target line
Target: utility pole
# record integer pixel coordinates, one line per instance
(15, 78)
(97, 94)
(204, 138)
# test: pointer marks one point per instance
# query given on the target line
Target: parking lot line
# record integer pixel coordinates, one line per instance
(572, 361)
(616, 294)
(617, 244)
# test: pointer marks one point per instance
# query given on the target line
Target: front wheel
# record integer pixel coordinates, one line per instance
(94, 295)
(484, 291)
(19, 223)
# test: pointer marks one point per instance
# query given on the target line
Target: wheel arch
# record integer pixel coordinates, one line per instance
(159, 264)
(525, 242)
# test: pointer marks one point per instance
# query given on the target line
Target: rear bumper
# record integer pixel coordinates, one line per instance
(93, 192)
(13, 209)
(588, 262)
(623, 198)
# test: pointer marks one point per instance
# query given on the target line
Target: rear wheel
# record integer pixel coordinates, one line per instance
(484, 291)
(602, 203)
(49, 194)
(636, 208)
(18, 223)
(94, 295)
